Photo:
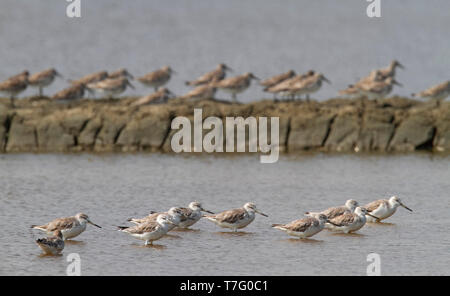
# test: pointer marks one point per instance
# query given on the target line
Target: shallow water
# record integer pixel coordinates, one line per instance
(111, 188)
(263, 36)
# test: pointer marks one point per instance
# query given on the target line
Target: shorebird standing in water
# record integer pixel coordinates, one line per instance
(438, 92)
(235, 85)
(14, 85)
(71, 93)
(237, 218)
(201, 92)
(111, 86)
(161, 96)
(304, 228)
(174, 215)
(349, 222)
(383, 208)
(215, 75)
(52, 245)
(157, 78)
(191, 214)
(70, 227)
(43, 79)
(149, 231)
(330, 213)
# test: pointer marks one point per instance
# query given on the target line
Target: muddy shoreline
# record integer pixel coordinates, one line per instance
(336, 125)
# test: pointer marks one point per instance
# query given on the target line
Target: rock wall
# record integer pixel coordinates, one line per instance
(336, 125)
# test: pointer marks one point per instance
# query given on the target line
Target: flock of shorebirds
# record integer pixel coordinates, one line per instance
(346, 219)
(377, 84)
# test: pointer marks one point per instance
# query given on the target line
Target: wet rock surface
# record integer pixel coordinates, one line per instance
(337, 125)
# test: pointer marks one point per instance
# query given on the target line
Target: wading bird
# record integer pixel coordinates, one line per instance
(52, 245)
(236, 218)
(70, 227)
(383, 208)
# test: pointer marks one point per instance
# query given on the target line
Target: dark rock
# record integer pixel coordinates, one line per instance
(442, 139)
(146, 133)
(88, 135)
(3, 128)
(309, 131)
(376, 131)
(22, 136)
(52, 137)
(112, 126)
(393, 124)
(415, 131)
(343, 133)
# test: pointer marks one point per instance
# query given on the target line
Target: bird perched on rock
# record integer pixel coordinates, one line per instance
(308, 85)
(14, 85)
(378, 89)
(110, 87)
(274, 80)
(205, 91)
(43, 79)
(91, 78)
(122, 72)
(235, 85)
(389, 71)
(158, 97)
(215, 75)
(71, 93)
(284, 87)
(157, 78)
(438, 92)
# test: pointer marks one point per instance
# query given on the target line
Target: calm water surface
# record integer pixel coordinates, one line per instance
(263, 36)
(38, 188)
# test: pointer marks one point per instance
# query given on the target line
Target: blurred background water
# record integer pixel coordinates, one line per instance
(262, 36)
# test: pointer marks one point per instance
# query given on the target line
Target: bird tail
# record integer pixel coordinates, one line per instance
(37, 227)
(187, 82)
(120, 228)
(278, 226)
